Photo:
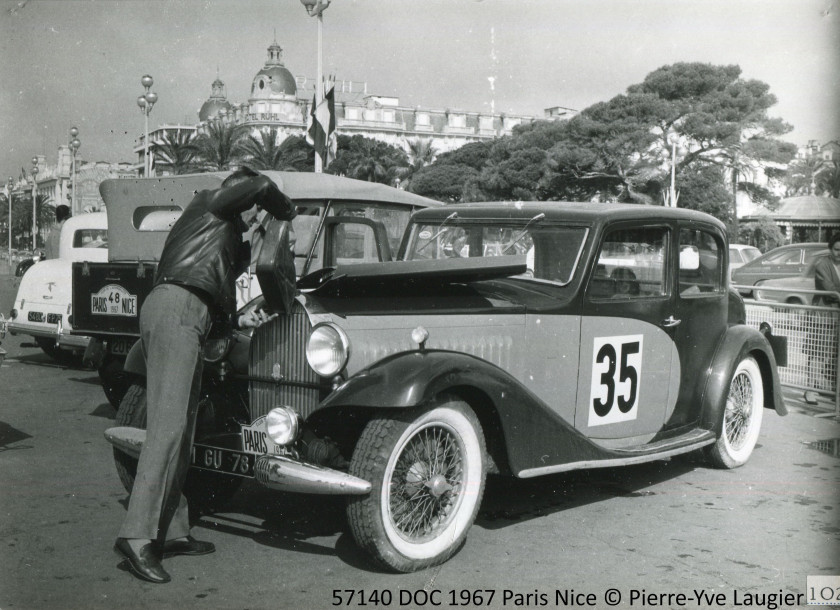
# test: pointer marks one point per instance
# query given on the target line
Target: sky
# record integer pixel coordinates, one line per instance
(66, 63)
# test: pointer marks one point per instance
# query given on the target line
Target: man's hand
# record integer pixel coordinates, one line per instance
(255, 318)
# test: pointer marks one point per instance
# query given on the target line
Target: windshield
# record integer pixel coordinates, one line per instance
(551, 251)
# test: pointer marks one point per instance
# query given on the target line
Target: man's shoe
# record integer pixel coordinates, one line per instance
(145, 564)
(190, 546)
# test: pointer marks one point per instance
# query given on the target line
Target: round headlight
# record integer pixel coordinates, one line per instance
(282, 425)
(327, 350)
(215, 349)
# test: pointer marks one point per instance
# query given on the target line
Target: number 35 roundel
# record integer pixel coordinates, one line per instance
(616, 371)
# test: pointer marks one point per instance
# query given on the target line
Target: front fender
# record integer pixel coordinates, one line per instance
(739, 342)
(533, 434)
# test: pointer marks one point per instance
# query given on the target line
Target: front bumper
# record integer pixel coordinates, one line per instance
(272, 471)
(48, 331)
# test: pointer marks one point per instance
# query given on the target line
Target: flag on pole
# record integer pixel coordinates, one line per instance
(320, 130)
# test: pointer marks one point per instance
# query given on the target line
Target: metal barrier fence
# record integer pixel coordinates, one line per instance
(812, 335)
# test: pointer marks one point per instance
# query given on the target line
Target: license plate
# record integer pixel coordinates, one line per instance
(35, 316)
(53, 318)
(120, 347)
(113, 300)
(256, 441)
(222, 460)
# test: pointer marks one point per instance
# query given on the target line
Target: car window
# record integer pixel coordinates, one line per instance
(551, 251)
(811, 254)
(90, 238)
(785, 257)
(735, 256)
(394, 218)
(750, 254)
(700, 263)
(631, 264)
(355, 243)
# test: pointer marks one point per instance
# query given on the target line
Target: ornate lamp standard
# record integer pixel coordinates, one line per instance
(34, 203)
(316, 8)
(146, 102)
(74, 146)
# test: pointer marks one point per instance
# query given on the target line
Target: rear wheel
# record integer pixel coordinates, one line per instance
(62, 356)
(115, 381)
(205, 491)
(427, 471)
(741, 417)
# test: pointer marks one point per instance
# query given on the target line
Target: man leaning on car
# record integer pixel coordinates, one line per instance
(194, 283)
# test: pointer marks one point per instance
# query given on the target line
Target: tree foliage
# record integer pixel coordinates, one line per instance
(216, 148)
(176, 152)
(263, 152)
(367, 159)
(444, 181)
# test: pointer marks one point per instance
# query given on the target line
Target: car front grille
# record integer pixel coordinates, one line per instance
(280, 375)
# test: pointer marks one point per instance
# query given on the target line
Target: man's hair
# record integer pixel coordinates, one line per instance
(62, 212)
(240, 175)
(834, 239)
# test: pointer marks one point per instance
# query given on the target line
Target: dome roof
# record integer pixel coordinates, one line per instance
(210, 109)
(809, 207)
(274, 79)
(215, 102)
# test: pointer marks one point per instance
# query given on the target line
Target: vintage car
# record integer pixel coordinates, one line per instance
(339, 220)
(516, 338)
(42, 307)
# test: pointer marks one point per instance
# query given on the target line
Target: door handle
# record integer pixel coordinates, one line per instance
(670, 322)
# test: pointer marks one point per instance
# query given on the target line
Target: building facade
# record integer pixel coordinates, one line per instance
(278, 100)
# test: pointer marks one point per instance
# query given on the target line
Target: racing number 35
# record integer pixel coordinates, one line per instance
(616, 370)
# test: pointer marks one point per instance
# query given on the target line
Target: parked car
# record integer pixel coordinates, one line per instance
(784, 261)
(339, 220)
(27, 262)
(740, 255)
(792, 286)
(401, 384)
(42, 307)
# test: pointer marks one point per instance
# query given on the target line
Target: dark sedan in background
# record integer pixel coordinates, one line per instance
(785, 261)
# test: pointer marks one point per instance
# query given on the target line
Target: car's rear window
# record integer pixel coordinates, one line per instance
(90, 238)
(750, 254)
(551, 250)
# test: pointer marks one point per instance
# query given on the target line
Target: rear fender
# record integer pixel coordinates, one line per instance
(739, 342)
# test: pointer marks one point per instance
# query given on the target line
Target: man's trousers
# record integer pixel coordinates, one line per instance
(174, 324)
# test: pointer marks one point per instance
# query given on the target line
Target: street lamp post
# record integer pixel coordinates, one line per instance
(9, 184)
(74, 146)
(34, 203)
(146, 102)
(316, 8)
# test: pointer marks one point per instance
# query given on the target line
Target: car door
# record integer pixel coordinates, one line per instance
(701, 314)
(625, 384)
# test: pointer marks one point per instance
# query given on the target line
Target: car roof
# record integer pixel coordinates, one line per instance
(574, 211)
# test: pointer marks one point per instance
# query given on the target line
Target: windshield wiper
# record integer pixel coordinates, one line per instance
(524, 232)
(452, 216)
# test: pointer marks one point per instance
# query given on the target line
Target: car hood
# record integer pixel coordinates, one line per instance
(446, 284)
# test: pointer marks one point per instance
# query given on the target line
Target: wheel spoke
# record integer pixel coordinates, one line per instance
(425, 482)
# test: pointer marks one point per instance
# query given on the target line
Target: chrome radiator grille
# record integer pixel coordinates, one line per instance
(278, 351)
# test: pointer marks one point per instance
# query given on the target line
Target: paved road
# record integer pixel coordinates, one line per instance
(668, 527)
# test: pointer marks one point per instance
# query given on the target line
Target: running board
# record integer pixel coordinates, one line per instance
(648, 453)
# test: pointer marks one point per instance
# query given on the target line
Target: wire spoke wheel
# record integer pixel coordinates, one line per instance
(426, 483)
(741, 417)
(427, 474)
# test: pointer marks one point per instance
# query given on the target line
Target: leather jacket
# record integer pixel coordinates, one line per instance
(204, 251)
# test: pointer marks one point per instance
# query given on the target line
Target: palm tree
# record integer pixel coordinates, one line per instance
(828, 179)
(421, 153)
(176, 151)
(262, 152)
(216, 148)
